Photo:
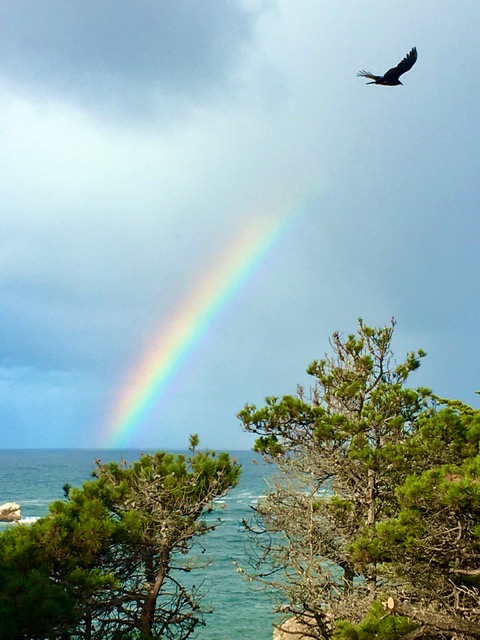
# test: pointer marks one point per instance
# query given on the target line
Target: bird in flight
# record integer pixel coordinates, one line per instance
(391, 78)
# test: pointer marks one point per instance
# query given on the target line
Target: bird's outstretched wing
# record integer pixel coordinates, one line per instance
(405, 65)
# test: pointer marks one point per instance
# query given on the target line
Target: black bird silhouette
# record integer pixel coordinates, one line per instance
(391, 78)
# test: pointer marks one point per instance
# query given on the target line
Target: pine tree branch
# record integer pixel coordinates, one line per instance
(465, 572)
(437, 621)
(417, 633)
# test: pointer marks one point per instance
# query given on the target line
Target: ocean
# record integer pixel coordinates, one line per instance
(34, 478)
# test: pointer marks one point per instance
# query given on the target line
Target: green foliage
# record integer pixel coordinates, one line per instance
(268, 445)
(377, 625)
(27, 588)
(193, 442)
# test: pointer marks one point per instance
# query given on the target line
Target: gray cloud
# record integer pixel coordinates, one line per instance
(122, 53)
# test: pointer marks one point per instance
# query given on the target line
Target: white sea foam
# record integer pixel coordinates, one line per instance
(29, 519)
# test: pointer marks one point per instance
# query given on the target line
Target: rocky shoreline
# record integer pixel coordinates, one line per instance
(10, 512)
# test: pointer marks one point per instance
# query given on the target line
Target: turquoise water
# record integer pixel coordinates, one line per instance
(34, 478)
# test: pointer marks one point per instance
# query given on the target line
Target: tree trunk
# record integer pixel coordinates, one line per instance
(348, 575)
(88, 626)
(148, 613)
(371, 496)
(371, 519)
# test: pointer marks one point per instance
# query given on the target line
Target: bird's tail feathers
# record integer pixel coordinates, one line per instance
(367, 74)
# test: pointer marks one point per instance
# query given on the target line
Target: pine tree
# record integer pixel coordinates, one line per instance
(111, 557)
(368, 469)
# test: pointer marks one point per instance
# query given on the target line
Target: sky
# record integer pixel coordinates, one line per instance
(195, 195)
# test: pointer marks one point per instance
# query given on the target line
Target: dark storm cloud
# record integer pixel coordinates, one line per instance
(94, 51)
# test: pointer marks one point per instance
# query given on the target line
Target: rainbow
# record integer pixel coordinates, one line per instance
(182, 332)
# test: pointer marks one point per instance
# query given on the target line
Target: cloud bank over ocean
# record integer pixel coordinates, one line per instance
(139, 143)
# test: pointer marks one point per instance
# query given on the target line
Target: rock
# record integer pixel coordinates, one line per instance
(301, 627)
(10, 512)
(291, 629)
